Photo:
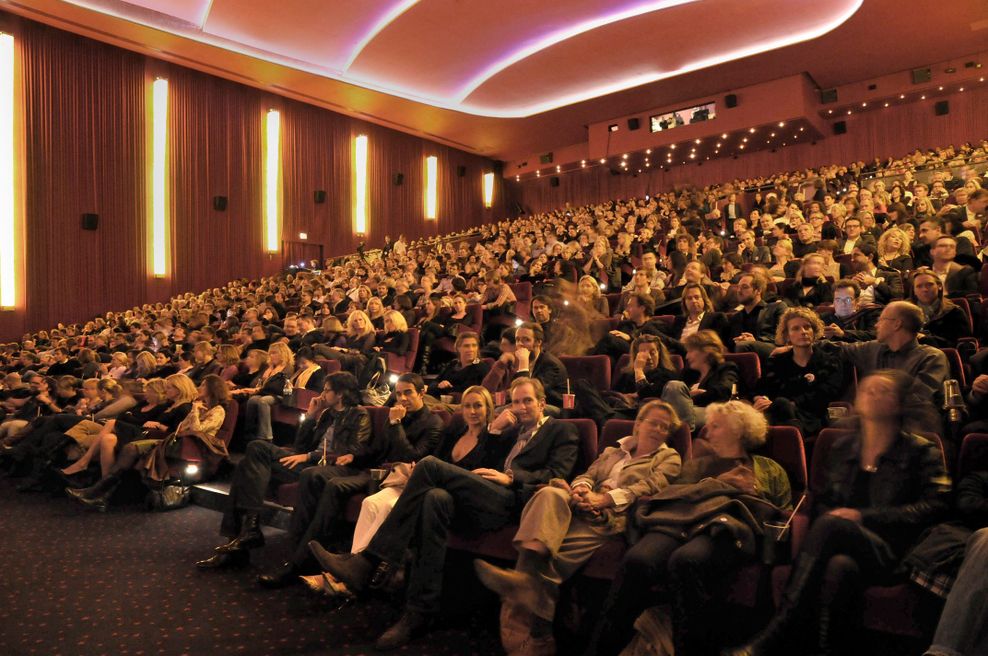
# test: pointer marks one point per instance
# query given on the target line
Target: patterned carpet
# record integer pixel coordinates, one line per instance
(80, 583)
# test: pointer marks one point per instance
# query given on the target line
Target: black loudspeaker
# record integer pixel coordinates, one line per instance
(634, 124)
(921, 75)
(840, 127)
(398, 179)
(319, 196)
(219, 203)
(546, 158)
(461, 171)
(730, 100)
(828, 96)
(90, 221)
(553, 181)
(942, 108)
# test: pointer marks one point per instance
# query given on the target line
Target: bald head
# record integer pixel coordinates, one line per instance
(910, 316)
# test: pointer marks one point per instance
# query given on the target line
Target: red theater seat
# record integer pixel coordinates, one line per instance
(749, 367)
(594, 368)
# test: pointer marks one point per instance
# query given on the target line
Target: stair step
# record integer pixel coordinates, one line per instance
(214, 495)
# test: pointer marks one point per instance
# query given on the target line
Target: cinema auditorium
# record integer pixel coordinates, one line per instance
(449, 327)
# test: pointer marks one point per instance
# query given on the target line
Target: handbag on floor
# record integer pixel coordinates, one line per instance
(168, 497)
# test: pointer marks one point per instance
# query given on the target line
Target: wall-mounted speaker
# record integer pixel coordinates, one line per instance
(90, 221)
(731, 101)
(840, 127)
(546, 158)
(219, 203)
(319, 196)
(553, 181)
(921, 75)
(828, 96)
(398, 179)
(634, 124)
(461, 171)
(942, 108)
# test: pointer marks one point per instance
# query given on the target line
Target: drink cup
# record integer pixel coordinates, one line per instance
(775, 543)
(569, 401)
(500, 398)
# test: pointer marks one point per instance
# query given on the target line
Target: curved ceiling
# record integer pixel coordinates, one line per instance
(503, 59)
(508, 78)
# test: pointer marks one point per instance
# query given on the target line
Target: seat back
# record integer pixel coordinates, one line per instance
(523, 299)
(615, 429)
(749, 367)
(378, 417)
(594, 368)
(402, 364)
(974, 454)
(329, 366)
(225, 433)
(956, 366)
(963, 304)
(587, 453)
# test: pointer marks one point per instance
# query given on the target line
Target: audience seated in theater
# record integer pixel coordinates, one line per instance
(883, 487)
(850, 320)
(536, 450)
(637, 319)
(639, 285)
(564, 524)
(308, 375)
(894, 250)
(958, 280)
(678, 553)
(359, 342)
(786, 264)
(810, 286)
(412, 433)
(879, 285)
(944, 323)
(798, 385)
(590, 297)
(337, 430)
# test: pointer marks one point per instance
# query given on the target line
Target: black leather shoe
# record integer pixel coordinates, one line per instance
(250, 536)
(285, 575)
(225, 560)
(411, 625)
(353, 570)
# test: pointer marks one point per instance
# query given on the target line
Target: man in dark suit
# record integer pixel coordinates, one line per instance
(532, 361)
(537, 449)
(732, 209)
(412, 434)
(879, 284)
(958, 279)
(851, 320)
(930, 230)
(968, 215)
(854, 236)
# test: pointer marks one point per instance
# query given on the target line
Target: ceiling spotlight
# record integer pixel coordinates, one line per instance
(939, 88)
(625, 156)
(602, 160)
(583, 162)
(723, 136)
(768, 141)
(558, 169)
(830, 111)
(538, 174)
(961, 89)
(647, 164)
(692, 155)
(745, 140)
(697, 142)
(648, 151)
(886, 104)
(517, 178)
(849, 112)
(772, 135)
(742, 146)
(751, 130)
(981, 79)
(718, 144)
(801, 129)
(864, 104)
(923, 97)
(901, 96)
(672, 147)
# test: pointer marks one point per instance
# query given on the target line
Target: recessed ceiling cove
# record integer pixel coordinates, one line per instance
(504, 58)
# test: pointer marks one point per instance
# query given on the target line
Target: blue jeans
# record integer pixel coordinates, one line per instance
(963, 628)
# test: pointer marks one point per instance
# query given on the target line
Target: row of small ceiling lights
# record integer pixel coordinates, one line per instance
(902, 96)
(648, 163)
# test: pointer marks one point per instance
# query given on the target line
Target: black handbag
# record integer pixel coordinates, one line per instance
(168, 497)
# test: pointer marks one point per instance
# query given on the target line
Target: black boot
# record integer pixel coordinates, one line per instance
(286, 574)
(250, 535)
(773, 636)
(237, 559)
(97, 496)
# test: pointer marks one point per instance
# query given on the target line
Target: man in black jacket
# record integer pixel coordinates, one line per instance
(752, 329)
(413, 433)
(342, 433)
(537, 449)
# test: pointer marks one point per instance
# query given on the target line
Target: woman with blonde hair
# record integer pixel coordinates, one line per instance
(684, 553)
(229, 358)
(894, 250)
(162, 413)
(144, 367)
(590, 296)
(119, 365)
(395, 338)
(786, 263)
(358, 346)
(375, 312)
(269, 387)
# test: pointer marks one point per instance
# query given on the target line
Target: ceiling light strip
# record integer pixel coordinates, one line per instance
(378, 27)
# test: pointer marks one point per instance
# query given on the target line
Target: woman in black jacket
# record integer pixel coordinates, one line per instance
(267, 389)
(810, 288)
(882, 488)
(708, 378)
(395, 338)
(799, 384)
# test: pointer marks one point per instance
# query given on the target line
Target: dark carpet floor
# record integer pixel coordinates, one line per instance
(81, 583)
